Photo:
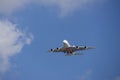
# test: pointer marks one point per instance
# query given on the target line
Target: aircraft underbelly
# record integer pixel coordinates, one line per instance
(69, 50)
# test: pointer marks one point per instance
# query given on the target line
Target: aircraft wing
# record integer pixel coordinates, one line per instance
(77, 48)
(56, 50)
(72, 49)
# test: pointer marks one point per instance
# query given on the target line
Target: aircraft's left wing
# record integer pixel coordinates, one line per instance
(56, 50)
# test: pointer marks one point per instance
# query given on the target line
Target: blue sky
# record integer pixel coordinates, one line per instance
(44, 25)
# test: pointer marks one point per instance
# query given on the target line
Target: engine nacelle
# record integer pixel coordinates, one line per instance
(57, 48)
(51, 49)
(77, 47)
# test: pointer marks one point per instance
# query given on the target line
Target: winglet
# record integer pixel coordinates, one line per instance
(91, 47)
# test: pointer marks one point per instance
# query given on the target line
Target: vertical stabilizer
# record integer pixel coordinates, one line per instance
(65, 43)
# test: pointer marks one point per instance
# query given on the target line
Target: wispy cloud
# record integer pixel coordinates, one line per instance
(64, 6)
(12, 40)
(9, 6)
(86, 75)
(117, 78)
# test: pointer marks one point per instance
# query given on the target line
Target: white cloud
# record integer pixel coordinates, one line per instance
(86, 75)
(8, 6)
(12, 40)
(65, 6)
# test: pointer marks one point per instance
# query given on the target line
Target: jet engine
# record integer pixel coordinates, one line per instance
(51, 49)
(57, 48)
(77, 47)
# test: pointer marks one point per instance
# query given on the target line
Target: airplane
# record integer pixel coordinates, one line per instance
(69, 49)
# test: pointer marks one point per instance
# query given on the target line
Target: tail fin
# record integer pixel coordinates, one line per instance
(65, 43)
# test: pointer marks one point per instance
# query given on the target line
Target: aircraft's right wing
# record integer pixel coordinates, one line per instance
(77, 48)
